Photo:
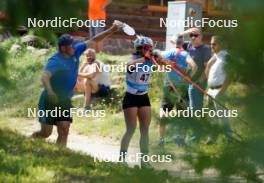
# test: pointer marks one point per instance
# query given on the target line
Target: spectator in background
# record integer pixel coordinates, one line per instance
(97, 17)
(200, 53)
(175, 90)
(218, 80)
(93, 80)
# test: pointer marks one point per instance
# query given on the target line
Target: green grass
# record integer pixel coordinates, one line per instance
(25, 160)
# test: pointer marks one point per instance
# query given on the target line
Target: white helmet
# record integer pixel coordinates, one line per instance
(142, 40)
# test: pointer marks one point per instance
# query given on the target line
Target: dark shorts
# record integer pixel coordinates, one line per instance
(131, 100)
(180, 99)
(51, 114)
(103, 91)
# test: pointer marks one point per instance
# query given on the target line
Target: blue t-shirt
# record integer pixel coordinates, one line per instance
(65, 71)
(169, 55)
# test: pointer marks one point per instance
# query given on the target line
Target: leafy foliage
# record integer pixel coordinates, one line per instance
(25, 160)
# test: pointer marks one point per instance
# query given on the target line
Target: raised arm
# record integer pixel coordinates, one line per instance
(117, 25)
(191, 30)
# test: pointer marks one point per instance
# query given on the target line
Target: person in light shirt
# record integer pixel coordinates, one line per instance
(93, 79)
(218, 79)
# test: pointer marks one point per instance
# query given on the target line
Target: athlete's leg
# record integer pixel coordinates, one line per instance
(131, 124)
(63, 131)
(44, 132)
(144, 116)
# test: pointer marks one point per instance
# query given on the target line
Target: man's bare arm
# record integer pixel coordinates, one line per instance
(90, 75)
(117, 25)
(209, 65)
(193, 65)
(191, 30)
(84, 64)
(46, 82)
(87, 75)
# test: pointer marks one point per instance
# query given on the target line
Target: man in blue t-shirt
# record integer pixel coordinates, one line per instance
(59, 78)
(175, 89)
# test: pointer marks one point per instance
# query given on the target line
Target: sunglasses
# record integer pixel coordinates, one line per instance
(194, 35)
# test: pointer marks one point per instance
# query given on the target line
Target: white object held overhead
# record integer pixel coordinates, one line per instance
(129, 30)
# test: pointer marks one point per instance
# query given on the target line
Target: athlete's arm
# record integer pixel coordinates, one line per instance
(46, 82)
(162, 60)
(193, 65)
(117, 25)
